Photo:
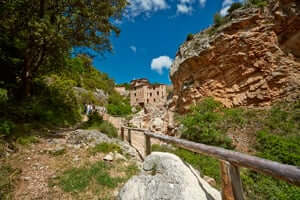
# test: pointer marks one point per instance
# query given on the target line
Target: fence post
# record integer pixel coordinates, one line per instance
(147, 144)
(129, 136)
(231, 182)
(122, 133)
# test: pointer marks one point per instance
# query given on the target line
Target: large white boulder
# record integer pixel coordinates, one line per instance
(165, 176)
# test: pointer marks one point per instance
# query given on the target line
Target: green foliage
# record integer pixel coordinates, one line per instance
(36, 35)
(205, 164)
(105, 148)
(3, 95)
(189, 37)
(27, 140)
(108, 129)
(6, 127)
(201, 125)
(218, 20)
(96, 122)
(7, 182)
(118, 105)
(76, 179)
(258, 3)
(81, 70)
(261, 187)
(277, 138)
(234, 6)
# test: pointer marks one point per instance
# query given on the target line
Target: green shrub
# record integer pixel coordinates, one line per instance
(189, 37)
(105, 148)
(6, 127)
(108, 129)
(282, 149)
(3, 95)
(218, 20)
(27, 140)
(118, 105)
(234, 6)
(258, 3)
(201, 125)
(94, 121)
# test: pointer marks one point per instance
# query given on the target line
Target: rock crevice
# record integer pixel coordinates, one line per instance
(253, 60)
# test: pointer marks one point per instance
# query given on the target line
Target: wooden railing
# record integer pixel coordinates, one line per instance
(230, 162)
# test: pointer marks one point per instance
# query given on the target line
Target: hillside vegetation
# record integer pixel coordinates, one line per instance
(276, 135)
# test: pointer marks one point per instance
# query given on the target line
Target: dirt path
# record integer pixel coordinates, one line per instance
(43, 162)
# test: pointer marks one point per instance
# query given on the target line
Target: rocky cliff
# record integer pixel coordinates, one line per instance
(252, 60)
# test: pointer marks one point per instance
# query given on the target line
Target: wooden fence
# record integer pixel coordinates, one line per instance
(230, 161)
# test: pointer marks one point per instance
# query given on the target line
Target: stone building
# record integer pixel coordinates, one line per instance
(143, 93)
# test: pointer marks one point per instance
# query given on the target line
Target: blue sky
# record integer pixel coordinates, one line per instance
(151, 32)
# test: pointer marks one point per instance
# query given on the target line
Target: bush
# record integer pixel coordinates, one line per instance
(3, 95)
(6, 127)
(108, 129)
(258, 3)
(218, 20)
(118, 105)
(94, 121)
(201, 125)
(189, 37)
(27, 140)
(234, 6)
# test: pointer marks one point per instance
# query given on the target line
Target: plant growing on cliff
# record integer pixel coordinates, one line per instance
(189, 37)
(234, 6)
(218, 20)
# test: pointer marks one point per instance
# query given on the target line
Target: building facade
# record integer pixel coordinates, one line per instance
(143, 93)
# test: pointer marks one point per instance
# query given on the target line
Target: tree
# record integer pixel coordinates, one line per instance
(36, 35)
(235, 6)
(218, 19)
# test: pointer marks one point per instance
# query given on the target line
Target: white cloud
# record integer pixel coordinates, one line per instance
(138, 7)
(133, 48)
(227, 2)
(226, 5)
(202, 2)
(161, 62)
(184, 9)
(224, 10)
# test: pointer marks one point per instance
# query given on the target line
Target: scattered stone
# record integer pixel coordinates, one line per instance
(26, 178)
(210, 180)
(109, 157)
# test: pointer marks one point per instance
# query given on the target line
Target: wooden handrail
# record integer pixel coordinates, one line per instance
(230, 161)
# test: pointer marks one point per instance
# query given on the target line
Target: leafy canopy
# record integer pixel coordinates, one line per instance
(36, 35)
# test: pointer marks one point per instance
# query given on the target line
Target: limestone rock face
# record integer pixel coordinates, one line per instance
(165, 176)
(253, 60)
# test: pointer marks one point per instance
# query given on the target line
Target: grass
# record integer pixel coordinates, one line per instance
(97, 176)
(27, 140)
(7, 178)
(105, 148)
(96, 122)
